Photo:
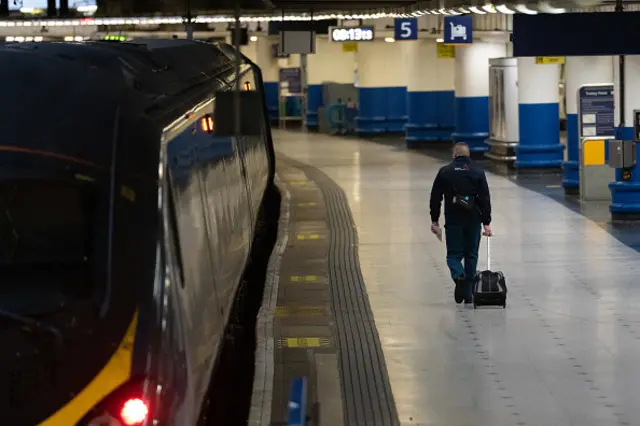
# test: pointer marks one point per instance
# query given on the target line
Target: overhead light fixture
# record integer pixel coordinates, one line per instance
(463, 10)
(504, 9)
(435, 12)
(454, 12)
(253, 38)
(545, 7)
(474, 9)
(489, 8)
(389, 39)
(439, 40)
(522, 8)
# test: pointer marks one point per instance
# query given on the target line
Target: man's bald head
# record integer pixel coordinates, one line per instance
(461, 149)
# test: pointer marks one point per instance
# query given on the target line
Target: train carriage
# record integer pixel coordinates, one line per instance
(126, 225)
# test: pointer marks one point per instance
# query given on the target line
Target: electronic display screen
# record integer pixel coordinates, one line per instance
(342, 34)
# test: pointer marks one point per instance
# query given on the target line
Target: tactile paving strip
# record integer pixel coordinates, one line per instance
(368, 400)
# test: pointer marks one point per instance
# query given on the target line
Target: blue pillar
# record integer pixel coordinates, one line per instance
(538, 115)
(472, 122)
(539, 136)
(472, 93)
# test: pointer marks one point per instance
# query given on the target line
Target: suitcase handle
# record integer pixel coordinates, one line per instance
(488, 253)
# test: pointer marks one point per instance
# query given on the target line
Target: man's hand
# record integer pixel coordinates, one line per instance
(487, 231)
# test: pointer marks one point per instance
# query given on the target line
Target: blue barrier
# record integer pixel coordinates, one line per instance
(297, 406)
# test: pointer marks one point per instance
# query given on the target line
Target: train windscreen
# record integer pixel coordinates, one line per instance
(45, 242)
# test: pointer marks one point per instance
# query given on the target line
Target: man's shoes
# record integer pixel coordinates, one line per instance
(468, 300)
(459, 291)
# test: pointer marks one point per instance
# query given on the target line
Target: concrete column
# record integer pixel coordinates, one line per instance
(330, 64)
(580, 70)
(538, 115)
(472, 93)
(269, 67)
(382, 89)
(430, 94)
(625, 194)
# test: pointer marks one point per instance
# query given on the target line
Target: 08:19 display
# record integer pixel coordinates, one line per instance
(352, 34)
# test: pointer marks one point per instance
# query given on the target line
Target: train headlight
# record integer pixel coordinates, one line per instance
(126, 406)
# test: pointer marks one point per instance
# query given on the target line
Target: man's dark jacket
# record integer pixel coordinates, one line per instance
(460, 177)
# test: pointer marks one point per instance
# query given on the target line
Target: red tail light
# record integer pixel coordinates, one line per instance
(126, 406)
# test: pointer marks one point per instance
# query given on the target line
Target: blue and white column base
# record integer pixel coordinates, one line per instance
(539, 145)
(472, 123)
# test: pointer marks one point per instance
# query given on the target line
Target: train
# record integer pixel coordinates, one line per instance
(128, 207)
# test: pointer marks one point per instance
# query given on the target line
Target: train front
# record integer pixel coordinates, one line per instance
(77, 244)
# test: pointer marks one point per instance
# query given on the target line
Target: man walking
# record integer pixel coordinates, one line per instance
(467, 208)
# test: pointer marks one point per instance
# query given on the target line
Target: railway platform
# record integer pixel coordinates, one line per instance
(359, 302)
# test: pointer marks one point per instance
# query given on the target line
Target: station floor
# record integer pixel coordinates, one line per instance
(565, 350)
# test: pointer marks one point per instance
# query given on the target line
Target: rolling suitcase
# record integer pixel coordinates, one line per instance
(490, 288)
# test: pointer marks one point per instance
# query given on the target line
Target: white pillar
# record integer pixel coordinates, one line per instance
(430, 94)
(580, 70)
(269, 67)
(472, 92)
(538, 115)
(382, 88)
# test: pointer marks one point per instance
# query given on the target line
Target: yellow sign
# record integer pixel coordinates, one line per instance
(305, 278)
(446, 51)
(350, 46)
(549, 60)
(304, 342)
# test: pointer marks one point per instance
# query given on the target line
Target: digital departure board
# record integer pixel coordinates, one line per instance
(342, 34)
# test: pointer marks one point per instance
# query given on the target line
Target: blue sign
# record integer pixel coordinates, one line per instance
(406, 29)
(458, 29)
(297, 407)
(596, 110)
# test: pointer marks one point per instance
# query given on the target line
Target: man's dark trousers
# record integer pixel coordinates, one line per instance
(463, 242)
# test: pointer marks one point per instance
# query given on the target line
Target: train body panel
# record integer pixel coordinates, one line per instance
(174, 212)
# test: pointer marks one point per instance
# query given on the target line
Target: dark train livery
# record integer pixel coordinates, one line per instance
(126, 223)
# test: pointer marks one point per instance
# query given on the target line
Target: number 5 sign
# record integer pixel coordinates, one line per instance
(406, 29)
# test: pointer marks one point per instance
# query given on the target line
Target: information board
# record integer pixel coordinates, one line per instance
(290, 80)
(342, 34)
(405, 29)
(596, 110)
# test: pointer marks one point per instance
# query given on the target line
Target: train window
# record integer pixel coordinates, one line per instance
(47, 234)
(173, 224)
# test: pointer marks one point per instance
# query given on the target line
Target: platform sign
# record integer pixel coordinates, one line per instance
(291, 80)
(445, 51)
(406, 29)
(458, 29)
(596, 110)
(550, 60)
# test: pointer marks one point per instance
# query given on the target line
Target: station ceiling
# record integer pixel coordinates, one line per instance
(127, 7)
